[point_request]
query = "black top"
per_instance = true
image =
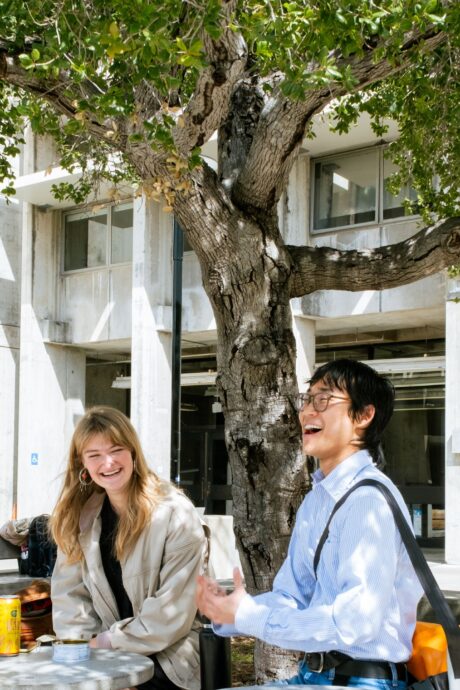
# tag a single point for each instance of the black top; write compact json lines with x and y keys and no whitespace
{"x":112,"y":568}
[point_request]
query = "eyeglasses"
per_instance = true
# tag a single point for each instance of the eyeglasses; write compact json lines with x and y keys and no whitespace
{"x":320,"y":400}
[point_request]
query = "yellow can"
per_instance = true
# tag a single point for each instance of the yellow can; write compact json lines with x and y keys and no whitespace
{"x":10,"y":624}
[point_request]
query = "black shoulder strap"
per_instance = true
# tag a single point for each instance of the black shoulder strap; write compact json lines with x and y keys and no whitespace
{"x":431,"y":588}
{"x":338,"y":505}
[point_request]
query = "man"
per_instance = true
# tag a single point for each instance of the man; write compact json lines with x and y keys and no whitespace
{"x":355,"y":618}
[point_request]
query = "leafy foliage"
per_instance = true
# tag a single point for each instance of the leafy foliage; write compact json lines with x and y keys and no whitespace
{"x":305,"y":40}
{"x":125,"y":72}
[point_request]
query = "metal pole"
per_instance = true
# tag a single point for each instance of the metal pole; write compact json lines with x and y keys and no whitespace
{"x":178,"y":250}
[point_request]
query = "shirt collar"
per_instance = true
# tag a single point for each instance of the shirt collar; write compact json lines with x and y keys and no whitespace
{"x":342,"y":476}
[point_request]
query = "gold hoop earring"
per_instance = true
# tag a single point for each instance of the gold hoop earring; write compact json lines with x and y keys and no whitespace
{"x":134,"y":466}
{"x":83,"y":477}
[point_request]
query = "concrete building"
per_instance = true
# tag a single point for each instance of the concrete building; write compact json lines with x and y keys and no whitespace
{"x":94,"y":325}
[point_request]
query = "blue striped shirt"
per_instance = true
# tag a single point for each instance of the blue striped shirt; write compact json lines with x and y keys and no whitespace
{"x":364,"y":600}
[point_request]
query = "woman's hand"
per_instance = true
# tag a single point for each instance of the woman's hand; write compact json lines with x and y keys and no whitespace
{"x":213,"y":602}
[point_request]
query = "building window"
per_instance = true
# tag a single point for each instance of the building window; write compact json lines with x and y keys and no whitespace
{"x":122,"y":234}
{"x":350,"y":189}
{"x":393,"y":206}
{"x":99,"y":238}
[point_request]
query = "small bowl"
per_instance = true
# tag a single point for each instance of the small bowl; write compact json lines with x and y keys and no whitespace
{"x":70,"y":651}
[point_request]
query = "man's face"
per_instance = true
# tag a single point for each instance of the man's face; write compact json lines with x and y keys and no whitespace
{"x":330,"y":435}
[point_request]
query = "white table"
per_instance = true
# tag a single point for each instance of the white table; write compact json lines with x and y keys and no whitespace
{"x":105,"y":670}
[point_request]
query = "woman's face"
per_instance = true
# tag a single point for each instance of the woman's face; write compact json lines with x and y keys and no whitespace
{"x":110,"y":466}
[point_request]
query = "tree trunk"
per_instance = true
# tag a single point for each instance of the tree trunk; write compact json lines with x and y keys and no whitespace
{"x":274,"y":663}
{"x":257,"y":388}
{"x":246,"y":272}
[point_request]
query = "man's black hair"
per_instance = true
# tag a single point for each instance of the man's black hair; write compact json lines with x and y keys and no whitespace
{"x":364,"y":386}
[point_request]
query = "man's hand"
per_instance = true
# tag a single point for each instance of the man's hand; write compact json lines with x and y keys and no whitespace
{"x":214,"y":603}
{"x":101,"y":641}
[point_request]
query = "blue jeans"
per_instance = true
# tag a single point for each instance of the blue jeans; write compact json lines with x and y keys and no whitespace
{"x":307,"y":677}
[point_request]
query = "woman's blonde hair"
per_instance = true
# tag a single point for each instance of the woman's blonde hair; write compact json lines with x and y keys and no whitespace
{"x":145,"y":490}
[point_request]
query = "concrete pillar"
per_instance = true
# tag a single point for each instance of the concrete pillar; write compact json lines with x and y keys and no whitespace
{"x":9,"y":355}
{"x":293,"y":213}
{"x":51,"y":400}
{"x":294,"y":207}
{"x":51,"y":376}
{"x":452,"y":506}
{"x":304,"y":333}
{"x":10,"y":261}
{"x":151,"y":332}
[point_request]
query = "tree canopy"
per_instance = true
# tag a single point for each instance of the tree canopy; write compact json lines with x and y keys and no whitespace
{"x":163,"y":74}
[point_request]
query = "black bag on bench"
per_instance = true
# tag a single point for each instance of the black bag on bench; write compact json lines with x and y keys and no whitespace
{"x":41,"y":550}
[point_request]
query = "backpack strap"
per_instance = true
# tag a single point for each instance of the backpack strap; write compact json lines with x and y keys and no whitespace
{"x":338,"y":505}
{"x":431,"y":588}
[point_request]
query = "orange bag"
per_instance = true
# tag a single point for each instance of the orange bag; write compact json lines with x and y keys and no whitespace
{"x":429,"y":651}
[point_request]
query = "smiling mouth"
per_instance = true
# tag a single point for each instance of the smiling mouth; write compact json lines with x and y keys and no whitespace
{"x":310,"y":429}
{"x":111,"y":474}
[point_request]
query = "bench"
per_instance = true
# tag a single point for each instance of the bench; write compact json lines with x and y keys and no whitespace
{"x":11,"y":581}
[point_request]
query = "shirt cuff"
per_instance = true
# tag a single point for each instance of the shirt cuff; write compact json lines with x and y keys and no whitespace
{"x":251,"y":617}
{"x":103,"y":640}
{"x":226,"y":630}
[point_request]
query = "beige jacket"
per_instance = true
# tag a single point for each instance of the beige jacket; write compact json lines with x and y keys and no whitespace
{"x":159,"y":576}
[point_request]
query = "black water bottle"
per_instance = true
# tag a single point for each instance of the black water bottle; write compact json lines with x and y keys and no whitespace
{"x":215,"y":659}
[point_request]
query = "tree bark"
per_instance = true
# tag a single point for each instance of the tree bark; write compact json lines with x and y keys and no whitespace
{"x":425,"y":253}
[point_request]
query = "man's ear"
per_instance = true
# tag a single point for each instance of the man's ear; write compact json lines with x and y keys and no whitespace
{"x":365,"y":417}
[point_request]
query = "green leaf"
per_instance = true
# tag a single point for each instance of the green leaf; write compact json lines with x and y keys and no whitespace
{"x":25,"y":60}
{"x":114,"y":31}
{"x":334,"y":73}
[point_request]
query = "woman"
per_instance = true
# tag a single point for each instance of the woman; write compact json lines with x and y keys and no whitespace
{"x":130,"y":546}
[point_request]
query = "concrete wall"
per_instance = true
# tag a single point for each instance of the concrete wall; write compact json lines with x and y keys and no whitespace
{"x":197,"y":313}
{"x":294,"y":206}
{"x":44,"y":153}
{"x":96,"y":303}
{"x":52,"y":376}
{"x":10,"y":265}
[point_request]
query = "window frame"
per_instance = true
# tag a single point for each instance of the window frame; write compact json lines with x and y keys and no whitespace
{"x":380,"y":182}
{"x":79,"y":214}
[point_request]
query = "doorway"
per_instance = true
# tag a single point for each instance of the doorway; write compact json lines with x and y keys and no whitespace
{"x":204,"y":469}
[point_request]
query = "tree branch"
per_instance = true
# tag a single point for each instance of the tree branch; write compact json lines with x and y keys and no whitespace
{"x":208,"y":106}
{"x":55,"y":91}
{"x":426,"y":253}
{"x":282,"y":123}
